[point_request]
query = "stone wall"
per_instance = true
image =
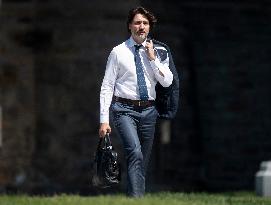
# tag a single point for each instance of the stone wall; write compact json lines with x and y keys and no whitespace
{"x":17,"y":93}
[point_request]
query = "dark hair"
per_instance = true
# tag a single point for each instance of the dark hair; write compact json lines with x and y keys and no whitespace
{"x":140,"y":10}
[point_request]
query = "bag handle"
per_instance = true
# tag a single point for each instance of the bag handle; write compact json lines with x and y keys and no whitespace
{"x":104,"y":140}
{"x":107,"y":140}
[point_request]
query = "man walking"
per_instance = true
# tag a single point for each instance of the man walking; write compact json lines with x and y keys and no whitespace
{"x":133,"y":69}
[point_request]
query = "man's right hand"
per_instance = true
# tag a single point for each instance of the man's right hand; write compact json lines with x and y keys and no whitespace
{"x":104,"y":128}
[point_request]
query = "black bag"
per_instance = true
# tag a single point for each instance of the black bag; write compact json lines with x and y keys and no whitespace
{"x":106,"y":168}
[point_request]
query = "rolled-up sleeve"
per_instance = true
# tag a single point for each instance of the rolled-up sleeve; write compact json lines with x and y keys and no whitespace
{"x":162,"y":66}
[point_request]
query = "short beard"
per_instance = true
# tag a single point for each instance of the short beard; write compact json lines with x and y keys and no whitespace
{"x":141,"y":37}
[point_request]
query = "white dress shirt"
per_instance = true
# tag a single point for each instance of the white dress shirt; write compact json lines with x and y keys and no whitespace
{"x":120,"y":76}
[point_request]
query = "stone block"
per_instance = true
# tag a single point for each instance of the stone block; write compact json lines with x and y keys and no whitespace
{"x":263,"y":180}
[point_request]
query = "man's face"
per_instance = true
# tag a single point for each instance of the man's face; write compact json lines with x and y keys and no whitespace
{"x":139,"y":28}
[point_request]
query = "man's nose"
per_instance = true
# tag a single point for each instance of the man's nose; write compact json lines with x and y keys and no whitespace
{"x":141,"y":26}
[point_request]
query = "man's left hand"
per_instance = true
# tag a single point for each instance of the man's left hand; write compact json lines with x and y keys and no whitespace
{"x":150,"y":50}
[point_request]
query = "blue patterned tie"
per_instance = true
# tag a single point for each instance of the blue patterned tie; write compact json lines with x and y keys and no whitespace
{"x":143,"y":92}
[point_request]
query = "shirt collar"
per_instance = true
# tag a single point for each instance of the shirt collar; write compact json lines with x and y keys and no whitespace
{"x":131,"y":42}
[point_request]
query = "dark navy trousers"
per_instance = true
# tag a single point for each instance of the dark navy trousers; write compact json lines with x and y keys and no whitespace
{"x":135,"y":126}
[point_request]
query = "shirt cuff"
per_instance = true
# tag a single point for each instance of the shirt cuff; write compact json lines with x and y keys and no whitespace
{"x":155,"y":63}
{"x":104,"y":118}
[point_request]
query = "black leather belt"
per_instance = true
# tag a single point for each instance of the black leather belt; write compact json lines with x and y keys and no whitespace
{"x":139,"y":103}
